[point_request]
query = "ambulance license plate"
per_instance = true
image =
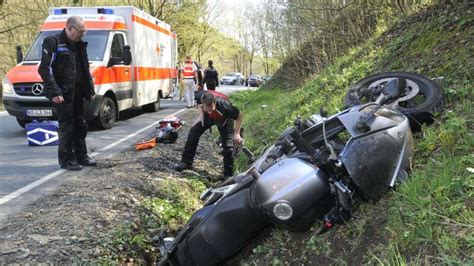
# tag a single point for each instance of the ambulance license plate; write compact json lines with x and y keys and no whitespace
{"x":39,"y":113}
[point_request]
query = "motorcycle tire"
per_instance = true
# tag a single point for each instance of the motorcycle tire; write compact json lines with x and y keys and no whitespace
{"x":424,"y":97}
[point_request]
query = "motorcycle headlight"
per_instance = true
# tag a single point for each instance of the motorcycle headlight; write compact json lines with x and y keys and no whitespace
{"x":283,"y":211}
{"x":7,"y":87}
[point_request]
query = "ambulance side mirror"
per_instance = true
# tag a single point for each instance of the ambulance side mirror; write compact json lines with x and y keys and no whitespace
{"x":125,"y":59}
{"x":127,"y":55}
{"x":19,"y":54}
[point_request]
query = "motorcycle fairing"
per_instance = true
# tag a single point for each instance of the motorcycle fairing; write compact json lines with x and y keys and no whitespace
{"x":374,"y":160}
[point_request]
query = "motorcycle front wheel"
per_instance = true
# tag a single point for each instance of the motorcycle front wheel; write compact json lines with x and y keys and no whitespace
{"x":423,"y":97}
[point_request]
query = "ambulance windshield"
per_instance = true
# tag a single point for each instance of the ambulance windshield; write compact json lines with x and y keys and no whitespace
{"x":95,"y":49}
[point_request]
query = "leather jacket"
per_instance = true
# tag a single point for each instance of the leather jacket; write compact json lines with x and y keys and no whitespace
{"x":58,"y":67}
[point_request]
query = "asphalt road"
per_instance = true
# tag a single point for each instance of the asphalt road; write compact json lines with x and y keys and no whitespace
{"x":29,"y":172}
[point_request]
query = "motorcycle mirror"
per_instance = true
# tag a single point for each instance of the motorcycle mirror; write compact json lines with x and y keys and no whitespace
{"x":394,"y":88}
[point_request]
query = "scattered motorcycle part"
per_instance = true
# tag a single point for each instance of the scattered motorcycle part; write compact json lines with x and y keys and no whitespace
{"x":145,"y":144}
{"x":166,"y":134}
{"x":171,"y":121}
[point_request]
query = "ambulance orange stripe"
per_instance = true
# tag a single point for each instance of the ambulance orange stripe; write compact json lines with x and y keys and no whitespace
{"x":115,"y":74}
{"x":102,"y":75}
{"x":108,"y":25}
{"x":152,"y":73}
{"x":150,"y":25}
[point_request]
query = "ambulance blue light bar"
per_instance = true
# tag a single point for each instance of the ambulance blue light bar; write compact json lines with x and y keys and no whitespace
{"x":105,"y":11}
{"x":60,"y":11}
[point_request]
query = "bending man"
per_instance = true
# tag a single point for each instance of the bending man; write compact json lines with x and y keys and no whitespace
{"x":228,"y":119}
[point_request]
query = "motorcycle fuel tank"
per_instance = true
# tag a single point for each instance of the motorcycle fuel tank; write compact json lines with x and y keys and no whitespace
{"x":290,"y":187}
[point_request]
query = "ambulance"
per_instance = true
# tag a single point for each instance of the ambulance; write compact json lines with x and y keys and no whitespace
{"x":132,"y":57}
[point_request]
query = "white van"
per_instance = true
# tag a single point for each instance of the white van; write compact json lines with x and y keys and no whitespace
{"x":119,"y":85}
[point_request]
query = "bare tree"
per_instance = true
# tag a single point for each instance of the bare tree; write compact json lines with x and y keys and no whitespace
{"x":208,"y":17}
{"x":307,"y":35}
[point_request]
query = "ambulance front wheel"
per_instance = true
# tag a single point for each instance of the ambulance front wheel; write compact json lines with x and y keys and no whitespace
{"x":107,"y":114}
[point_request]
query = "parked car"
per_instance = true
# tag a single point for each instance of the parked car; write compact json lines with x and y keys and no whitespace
{"x":254,"y":81}
{"x":233,"y":79}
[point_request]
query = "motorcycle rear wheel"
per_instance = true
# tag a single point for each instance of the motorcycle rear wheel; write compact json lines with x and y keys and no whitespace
{"x":423,"y":100}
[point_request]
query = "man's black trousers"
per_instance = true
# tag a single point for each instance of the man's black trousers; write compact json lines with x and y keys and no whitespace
{"x":72,"y":129}
{"x":226,"y":131}
{"x":211,"y":85}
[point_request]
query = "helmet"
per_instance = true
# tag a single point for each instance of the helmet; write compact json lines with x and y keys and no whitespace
{"x":172,"y":121}
{"x":166,"y":134}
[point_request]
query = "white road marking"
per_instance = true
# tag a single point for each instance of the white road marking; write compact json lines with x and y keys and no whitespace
{"x":30,"y":186}
{"x":40,"y":181}
{"x":3,"y":113}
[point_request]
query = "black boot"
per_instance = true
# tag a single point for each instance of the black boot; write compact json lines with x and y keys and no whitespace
{"x":182,"y":166}
{"x":87,"y":161}
{"x":80,"y":149}
{"x":71,"y":166}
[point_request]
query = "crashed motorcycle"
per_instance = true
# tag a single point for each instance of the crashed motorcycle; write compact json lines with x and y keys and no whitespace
{"x":318,"y":169}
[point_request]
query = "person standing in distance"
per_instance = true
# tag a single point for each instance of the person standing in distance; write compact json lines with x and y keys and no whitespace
{"x":200,"y":77}
{"x":211,"y":76}
{"x":189,"y":78}
{"x":64,"y":69}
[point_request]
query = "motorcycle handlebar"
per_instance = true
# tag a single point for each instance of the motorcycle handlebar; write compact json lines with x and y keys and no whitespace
{"x":301,"y":143}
